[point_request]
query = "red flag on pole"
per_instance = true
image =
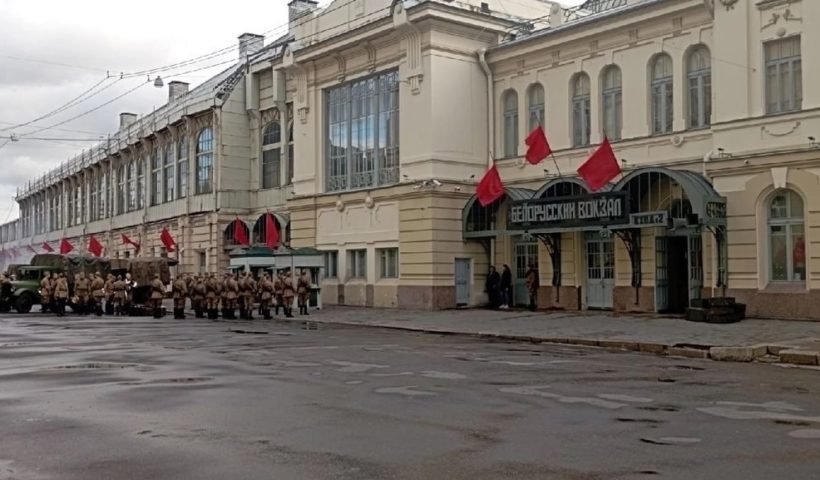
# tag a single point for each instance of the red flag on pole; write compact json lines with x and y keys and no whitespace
{"x":167,"y":240}
{"x":600,"y":168}
{"x":271,"y":232}
{"x":128,"y":241}
{"x":65,"y":246}
{"x":538,"y":148}
{"x":95,"y":246}
{"x":490,"y":188}
{"x":47,"y":248}
{"x":239,"y":232}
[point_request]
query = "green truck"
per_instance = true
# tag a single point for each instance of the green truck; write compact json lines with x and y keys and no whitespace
{"x":22,"y":293}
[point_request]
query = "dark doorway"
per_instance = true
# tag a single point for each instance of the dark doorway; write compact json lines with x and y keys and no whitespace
{"x":678,"y":274}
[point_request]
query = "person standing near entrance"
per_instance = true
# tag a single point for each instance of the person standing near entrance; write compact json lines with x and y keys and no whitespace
{"x":492,"y":286}
{"x":506,"y":287}
{"x":533,"y":283}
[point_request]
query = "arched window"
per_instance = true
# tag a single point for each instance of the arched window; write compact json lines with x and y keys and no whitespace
{"x":272,"y":155}
{"x":535,"y":104}
{"x":662,"y":106}
{"x":122,"y":195}
{"x":699,"y":75}
{"x":156,"y":176}
{"x":182,"y":168}
{"x":131,"y":185}
{"x":580,"y":110}
{"x":229,"y":235}
{"x":510,"y":102}
{"x":787,"y":238}
{"x":611,"y":102}
{"x":169,"y":167}
{"x":260,"y":230}
{"x":140,"y":183}
{"x":205,"y":161}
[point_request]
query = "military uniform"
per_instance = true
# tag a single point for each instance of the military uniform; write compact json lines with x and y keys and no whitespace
{"x":303,"y":291}
{"x":198,"y":298}
{"x":61,"y":294}
{"x":287,"y":295}
{"x":278,"y":289}
{"x":46,"y":292}
{"x":119,"y":296}
{"x":81,"y":291}
{"x":180,"y":292}
{"x":212,"y":297}
{"x":157,"y":294}
{"x":97,"y":293}
{"x":248,"y":294}
{"x":231,"y":295}
{"x":109,"y":294}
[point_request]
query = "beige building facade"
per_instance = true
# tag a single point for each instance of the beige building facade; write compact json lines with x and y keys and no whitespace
{"x":363,"y":132}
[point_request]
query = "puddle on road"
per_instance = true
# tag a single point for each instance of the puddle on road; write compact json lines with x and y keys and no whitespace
{"x":671,"y":440}
{"x":353,"y":367}
{"x":406,"y":391}
{"x":538,"y":391}
{"x":806,"y":434}
{"x":96,"y":366}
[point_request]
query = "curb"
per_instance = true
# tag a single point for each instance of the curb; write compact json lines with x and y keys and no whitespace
{"x":763,"y":353}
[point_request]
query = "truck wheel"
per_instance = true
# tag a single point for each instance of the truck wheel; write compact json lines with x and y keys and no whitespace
{"x":24,"y":303}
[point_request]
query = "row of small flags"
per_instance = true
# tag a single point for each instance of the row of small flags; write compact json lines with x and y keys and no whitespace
{"x":96,"y":248}
{"x":597,"y":171}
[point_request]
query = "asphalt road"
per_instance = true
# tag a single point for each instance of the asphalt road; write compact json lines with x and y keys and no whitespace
{"x":136,"y":398}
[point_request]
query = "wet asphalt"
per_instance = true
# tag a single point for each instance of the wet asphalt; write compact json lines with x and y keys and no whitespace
{"x":137,"y":398}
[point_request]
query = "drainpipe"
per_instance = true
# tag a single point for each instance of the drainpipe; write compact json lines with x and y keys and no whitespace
{"x":482,"y":59}
{"x":706,"y":159}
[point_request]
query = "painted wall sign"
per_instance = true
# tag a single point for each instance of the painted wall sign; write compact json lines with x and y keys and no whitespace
{"x":650,"y":219}
{"x":716,"y":209}
{"x":609,"y":208}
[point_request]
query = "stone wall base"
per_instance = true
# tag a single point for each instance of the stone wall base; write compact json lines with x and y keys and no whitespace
{"x":785,"y":305}
{"x":629,"y":299}
{"x":560,"y":298}
{"x":419,"y":297}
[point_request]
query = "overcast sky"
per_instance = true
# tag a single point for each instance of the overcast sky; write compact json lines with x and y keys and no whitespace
{"x":53,"y":51}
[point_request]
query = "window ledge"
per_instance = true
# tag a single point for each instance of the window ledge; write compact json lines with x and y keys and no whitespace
{"x":785,"y":287}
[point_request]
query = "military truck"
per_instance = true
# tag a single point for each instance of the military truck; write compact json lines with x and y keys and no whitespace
{"x":25,"y":288}
{"x":71,"y":265}
{"x":142,"y":270}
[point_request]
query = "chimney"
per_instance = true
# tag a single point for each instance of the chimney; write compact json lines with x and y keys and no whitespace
{"x":299,"y":8}
{"x":176,"y":89}
{"x":250,"y":43}
{"x":127,"y":119}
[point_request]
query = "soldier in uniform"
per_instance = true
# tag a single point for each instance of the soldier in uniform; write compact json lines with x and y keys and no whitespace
{"x":198,"y":300}
{"x":223,"y":294}
{"x":212,"y":297}
{"x":157,"y":294}
{"x":287,"y":295}
{"x":109,"y":294}
{"x":46,"y":292}
{"x":82,"y":291}
{"x":242,"y":283}
{"x":249,"y":293}
{"x":278,"y":289}
{"x":303,"y":290}
{"x":61,"y":294}
{"x":129,"y":287}
{"x":231,"y":295}
{"x":119,"y":296}
{"x":97,"y":293}
{"x":266,"y":295}
{"x":180,"y":292}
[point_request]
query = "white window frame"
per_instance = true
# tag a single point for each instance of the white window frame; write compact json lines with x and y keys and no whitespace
{"x":509,"y":104}
{"x":388,"y":262}
{"x":357,"y":264}
{"x":331,"y":260}
{"x":205,"y":161}
{"x":662,"y":96}
{"x":536,"y":100}
{"x":156,"y":176}
{"x":581,"y":110}
{"x":699,"y":88}
{"x":169,"y":165}
{"x":271,"y":155}
{"x":611,"y":102}
{"x":183,"y":149}
{"x":788,"y":223}
{"x":788,"y":71}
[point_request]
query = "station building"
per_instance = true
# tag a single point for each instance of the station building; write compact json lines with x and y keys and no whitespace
{"x":363,"y":132}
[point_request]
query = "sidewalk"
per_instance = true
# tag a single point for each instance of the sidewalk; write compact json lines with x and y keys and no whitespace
{"x":792,"y":342}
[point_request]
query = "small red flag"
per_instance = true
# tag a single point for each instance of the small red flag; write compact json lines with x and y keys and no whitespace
{"x":239,"y":232}
{"x":167,"y":240}
{"x":95,"y":246}
{"x":47,"y":248}
{"x":271,"y":232}
{"x":128,"y":241}
{"x":538,"y":148}
{"x":65,"y":246}
{"x":600,"y":168}
{"x":490,"y":188}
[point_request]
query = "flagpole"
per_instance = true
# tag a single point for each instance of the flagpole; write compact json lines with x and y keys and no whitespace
{"x":554,"y":160}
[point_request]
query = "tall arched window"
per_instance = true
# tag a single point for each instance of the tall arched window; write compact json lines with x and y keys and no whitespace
{"x":168,"y":167}
{"x":611,"y":102}
{"x":510,"y":102}
{"x":580,"y":110}
{"x":156,"y":176}
{"x":272,"y":155}
{"x":205,"y":161}
{"x":699,"y":75}
{"x":787,"y":238}
{"x":132,"y":185}
{"x":182,"y":168}
{"x":662,"y":106}
{"x":122,"y":195}
{"x":140,"y":183}
{"x":535,"y":105}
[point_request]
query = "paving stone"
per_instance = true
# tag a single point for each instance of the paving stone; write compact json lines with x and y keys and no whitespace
{"x":799,"y":357}
{"x":687,"y":352}
{"x":619,"y":345}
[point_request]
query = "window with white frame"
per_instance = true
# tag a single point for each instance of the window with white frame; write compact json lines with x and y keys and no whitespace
{"x":787,"y":238}
{"x":509,"y":102}
{"x":140,"y":183}
{"x":363,"y":133}
{"x":331,"y":263}
{"x":92,"y":195}
{"x":122,"y":194}
{"x":580,"y":110}
{"x":79,"y":201}
{"x":182,"y":168}
{"x":784,"y":75}
{"x":535,"y":105}
{"x":156,"y":177}
{"x":131,"y":185}
{"x":388,"y":262}
{"x":272,"y":155}
{"x":699,"y":76}
{"x":204,"y":161}
{"x":357,"y":264}
{"x":611,"y":102}
{"x":103,"y":194}
{"x":169,"y":164}
{"x":662,"y":103}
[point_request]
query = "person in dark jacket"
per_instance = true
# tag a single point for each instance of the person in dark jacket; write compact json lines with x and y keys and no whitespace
{"x":492,"y":286}
{"x":506,"y":287}
{"x":533,"y":283}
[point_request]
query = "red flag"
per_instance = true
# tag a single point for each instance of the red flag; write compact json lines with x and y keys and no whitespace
{"x":47,"y":248}
{"x":271,"y":232}
{"x":65,"y":246}
{"x":600,"y":168}
{"x":538,"y":148}
{"x":490,"y":188}
{"x":167,"y":240}
{"x":239,"y":233}
{"x":95,"y":246}
{"x":32,"y":250}
{"x":128,"y":241}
